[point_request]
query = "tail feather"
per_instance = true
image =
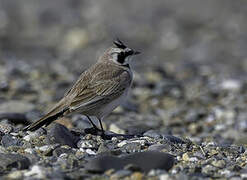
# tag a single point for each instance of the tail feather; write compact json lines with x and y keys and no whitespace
{"x":46,"y":120}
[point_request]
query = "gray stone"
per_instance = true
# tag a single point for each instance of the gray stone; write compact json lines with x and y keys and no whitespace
{"x":9,"y":161}
{"x":8,"y":140}
{"x":60,"y":134}
{"x":159,"y":147}
{"x":152,"y":134}
{"x":5,"y":128}
{"x":145,"y":160}
{"x":173,"y":139}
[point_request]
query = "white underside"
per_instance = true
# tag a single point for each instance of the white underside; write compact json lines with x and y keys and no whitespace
{"x":105,"y":111}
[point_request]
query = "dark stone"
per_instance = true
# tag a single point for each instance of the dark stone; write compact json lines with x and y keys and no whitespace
{"x":145,"y":160}
{"x":4,"y":86}
{"x":60,"y":134}
{"x":241,"y":149}
{"x":159,"y":147}
{"x":173,"y":139}
{"x":8,"y":140}
{"x":153,"y":134}
{"x":137,"y":129}
{"x":16,"y":118}
{"x":9,"y":161}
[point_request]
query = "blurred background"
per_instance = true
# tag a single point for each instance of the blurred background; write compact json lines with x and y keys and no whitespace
{"x":189,"y":80}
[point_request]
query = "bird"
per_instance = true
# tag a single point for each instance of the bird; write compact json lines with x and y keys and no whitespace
{"x":98,"y":90}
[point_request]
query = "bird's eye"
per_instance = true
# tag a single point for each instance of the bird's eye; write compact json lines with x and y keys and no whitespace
{"x":121,"y":57}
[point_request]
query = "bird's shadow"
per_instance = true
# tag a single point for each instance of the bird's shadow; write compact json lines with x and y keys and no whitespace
{"x":108,"y":135}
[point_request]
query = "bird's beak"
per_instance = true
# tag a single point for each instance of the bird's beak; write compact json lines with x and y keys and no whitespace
{"x":136,"y":52}
{"x":130,"y":52}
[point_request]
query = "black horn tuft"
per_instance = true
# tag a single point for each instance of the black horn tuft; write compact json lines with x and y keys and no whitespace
{"x":119,"y":44}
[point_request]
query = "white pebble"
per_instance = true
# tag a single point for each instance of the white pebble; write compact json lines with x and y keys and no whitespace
{"x":89,"y":151}
{"x":231,"y":84}
{"x":27,"y":138}
{"x":44,"y":148}
{"x":36,"y":172}
{"x":29,"y":150}
{"x":121,"y":144}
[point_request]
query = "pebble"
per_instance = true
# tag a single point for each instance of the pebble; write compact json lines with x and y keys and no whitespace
{"x":90,"y":152}
{"x":44,"y":148}
{"x":219,"y":163}
{"x":185,"y":157}
{"x":30,"y":150}
{"x":173,"y":139}
{"x":164,"y":177}
{"x":15,"y":175}
{"x":121,"y":144}
{"x":152,"y":134}
{"x":137,"y":176}
{"x":9,"y":161}
{"x":208,"y":169}
{"x":36,"y":172}
{"x":34,"y":135}
{"x":231,"y":84}
{"x":159,"y":147}
{"x":8,"y":140}
{"x":5,"y":128}
{"x":61,"y":135}
{"x":145,"y":160}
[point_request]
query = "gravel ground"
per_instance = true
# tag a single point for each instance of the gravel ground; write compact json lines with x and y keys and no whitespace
{"x":186,"y":110}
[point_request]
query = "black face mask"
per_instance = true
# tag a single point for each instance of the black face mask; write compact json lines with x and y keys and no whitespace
{"x":121,"y":57}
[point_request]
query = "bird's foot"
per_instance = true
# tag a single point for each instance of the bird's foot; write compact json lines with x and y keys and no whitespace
{"x":92,"y":130}
{"x":107,"y":135}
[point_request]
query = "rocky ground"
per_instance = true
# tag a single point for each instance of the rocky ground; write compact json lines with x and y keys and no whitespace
{"x":186,"y":110}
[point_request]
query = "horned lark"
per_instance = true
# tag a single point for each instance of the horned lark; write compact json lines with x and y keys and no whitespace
{"x":98,"y":91}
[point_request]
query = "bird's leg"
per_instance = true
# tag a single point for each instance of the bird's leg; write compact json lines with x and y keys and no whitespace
{"x":103,"y":135}
{"x":101,"y":126}
{"x":95,"y":127}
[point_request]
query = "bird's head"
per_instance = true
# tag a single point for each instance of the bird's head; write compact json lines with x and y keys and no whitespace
{"x":120,"y":53}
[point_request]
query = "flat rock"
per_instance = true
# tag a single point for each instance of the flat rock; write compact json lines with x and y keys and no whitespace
{"x":60,"y":134}
{"x":144,"y":160}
